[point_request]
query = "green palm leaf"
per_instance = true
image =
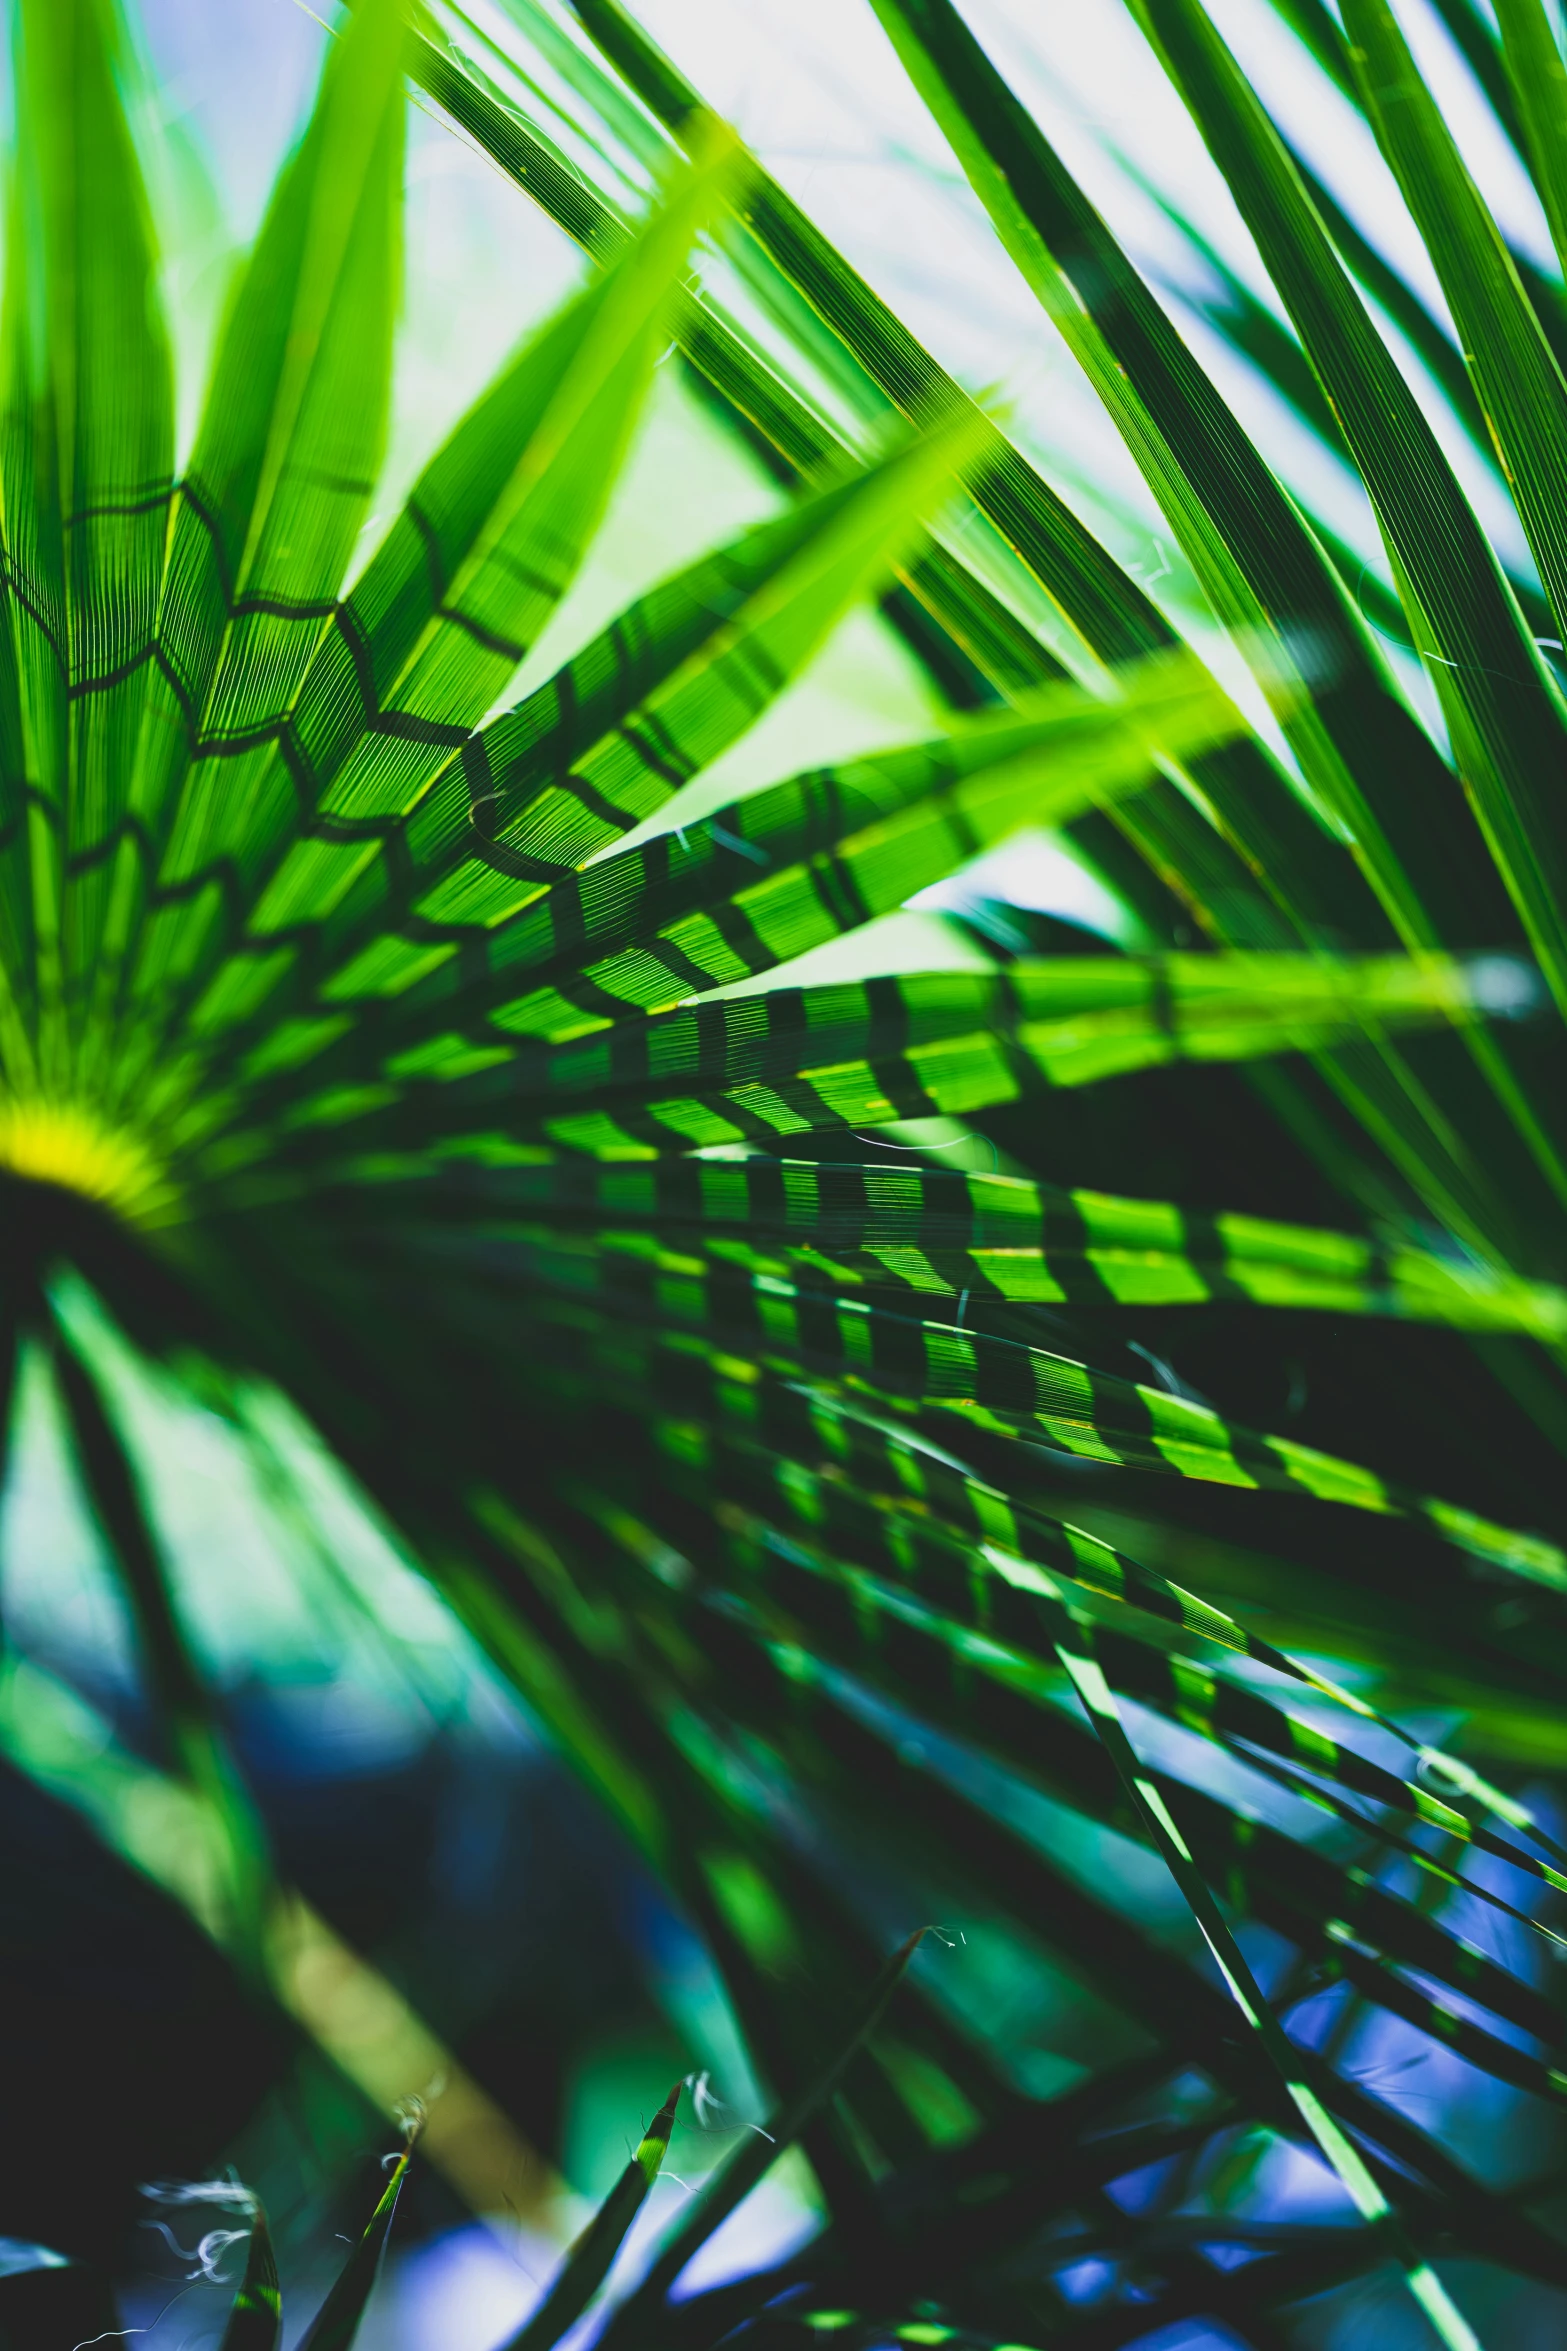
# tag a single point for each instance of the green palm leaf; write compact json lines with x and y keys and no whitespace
{"x":545,"y":786}
{"x":101,"y":363}
{"x":89,"y":406}
{"x":1516,"y":376}
{"x":1255,"y":557}
{"x":822,"y":1505}
{"x":1475,"y":641}
{"x":1263,"y":571}
{"x":277,"y":488}
{"x":1285,"y":879}
{"x":1537,"y":79}
{"x":754,"y":1067}
{"x":992,"y":1236}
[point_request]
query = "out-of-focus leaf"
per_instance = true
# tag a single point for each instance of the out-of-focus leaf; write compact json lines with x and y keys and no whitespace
{"x":256,"y":2320}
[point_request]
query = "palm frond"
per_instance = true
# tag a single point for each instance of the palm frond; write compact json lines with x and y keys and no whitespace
{"x":839,"y":1511}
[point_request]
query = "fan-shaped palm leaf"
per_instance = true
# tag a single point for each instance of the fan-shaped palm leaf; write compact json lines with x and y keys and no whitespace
{"x":816,"y":1494}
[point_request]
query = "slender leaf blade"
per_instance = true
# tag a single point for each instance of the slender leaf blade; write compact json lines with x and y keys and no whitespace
{"x":588,"y":2263}
{"x":256,"y":2321}
{"x":336,"y":2323}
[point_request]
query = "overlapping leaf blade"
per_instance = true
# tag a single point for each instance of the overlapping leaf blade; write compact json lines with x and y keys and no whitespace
{"x":756,"y":1065}
{"x":533,"y":796}
{"x":1501,"y":706}
{"x":100,"y":365}
{"x":487,"y":544}
{"x":1284,"y":879}
{"x":277,"y":488}
{"x":1520,"y":385}
{"x":1249,"y":546}
{"x":1537,"y":78}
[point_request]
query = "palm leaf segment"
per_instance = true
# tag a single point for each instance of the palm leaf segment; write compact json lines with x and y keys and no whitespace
{"x":340,"y":1028}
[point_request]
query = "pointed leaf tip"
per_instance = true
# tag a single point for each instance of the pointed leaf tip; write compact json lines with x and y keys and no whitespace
{"x":337,"y":2321}
{"x":591,"y":2258}
{"x":655,"y":2139}
{"x":256,"y":2319}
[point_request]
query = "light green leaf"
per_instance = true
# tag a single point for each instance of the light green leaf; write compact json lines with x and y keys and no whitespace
{"x":1519,"y":383}
{"x":1503,"y":711}
{"x":278,"y":485}
{"x":1537,"y":78}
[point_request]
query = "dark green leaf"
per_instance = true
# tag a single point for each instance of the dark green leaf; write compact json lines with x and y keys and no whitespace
{"x":336,"y":2323}
{"x":256,"y":2320}
{"x":755,"y":2156}
{"x":588,"y":2263}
